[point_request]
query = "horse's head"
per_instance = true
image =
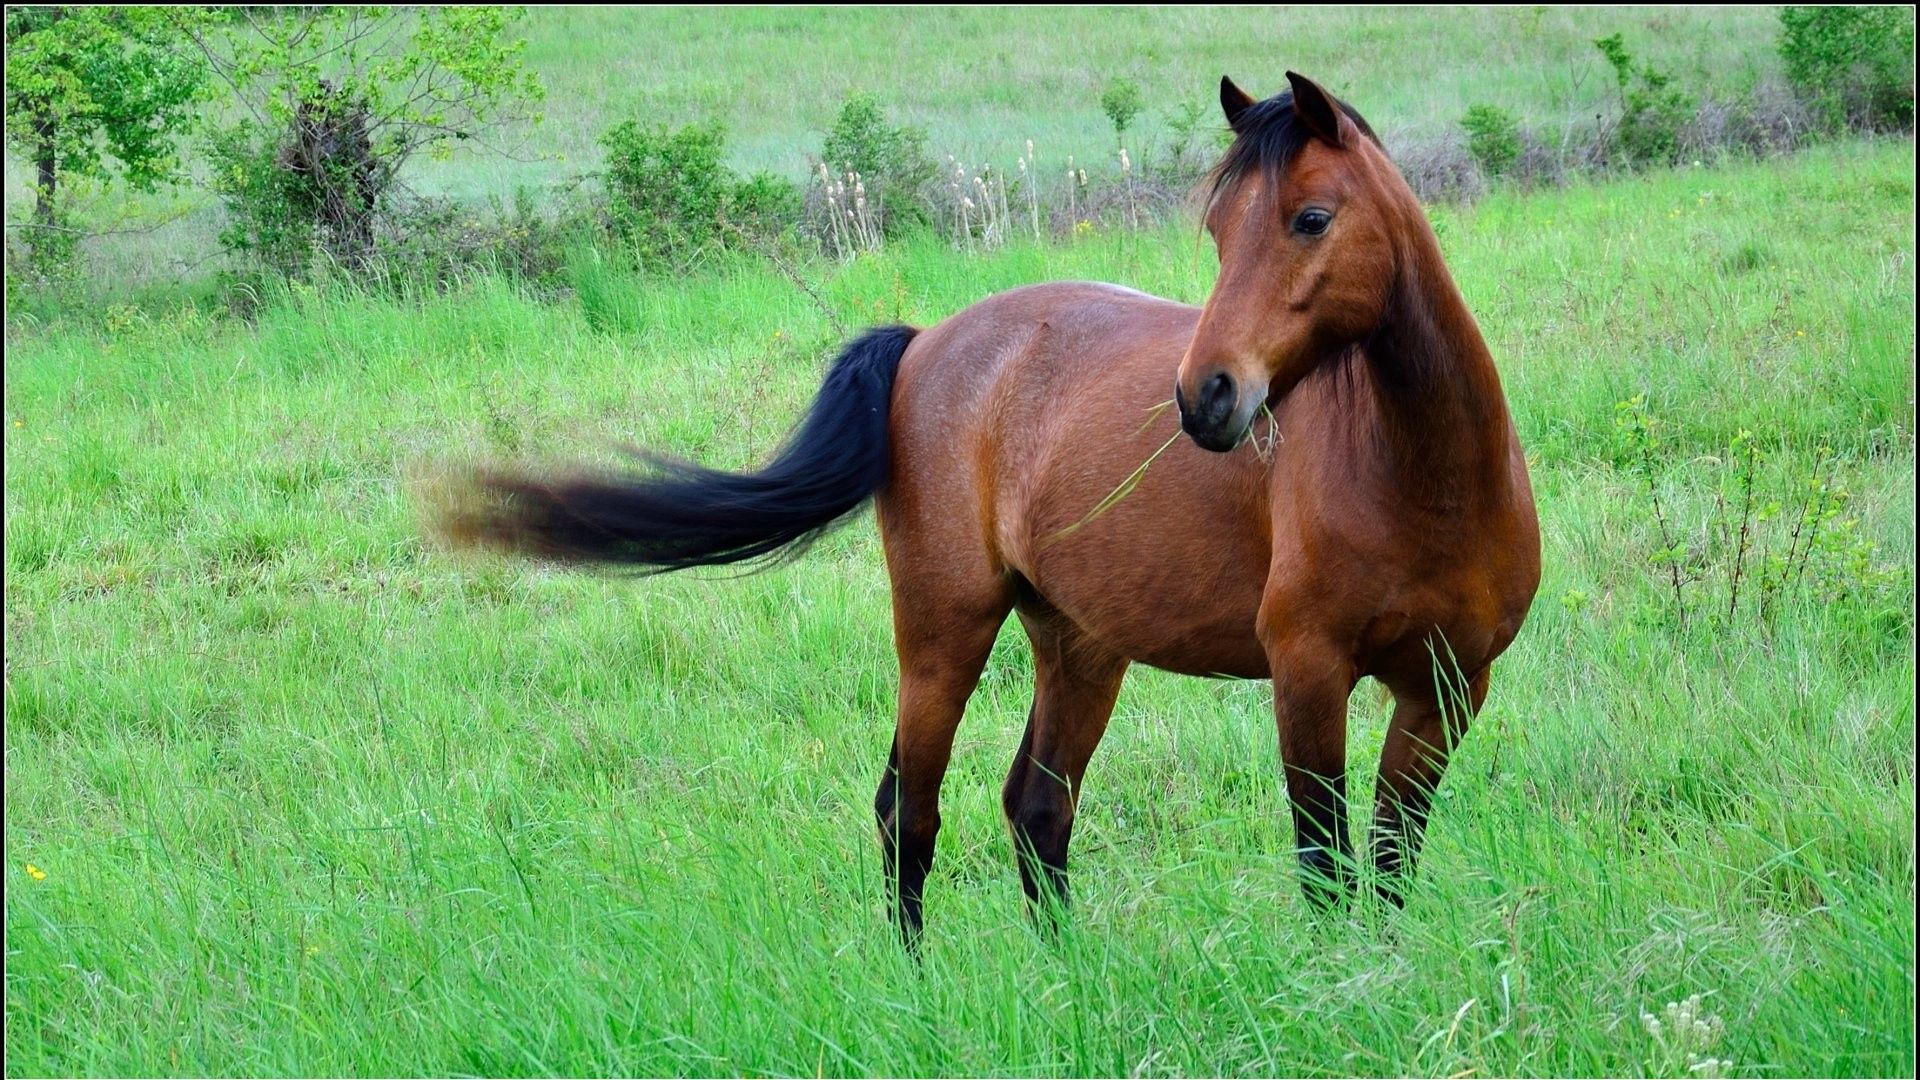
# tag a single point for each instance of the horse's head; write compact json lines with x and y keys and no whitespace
{"x":1305,"y":209}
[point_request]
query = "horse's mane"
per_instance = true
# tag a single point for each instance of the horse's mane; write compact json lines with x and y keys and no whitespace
{"x":1270,"y":134}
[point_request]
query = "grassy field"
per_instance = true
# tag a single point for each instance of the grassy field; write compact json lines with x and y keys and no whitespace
{"x":983,"y":81}
{"x":299,"y":795}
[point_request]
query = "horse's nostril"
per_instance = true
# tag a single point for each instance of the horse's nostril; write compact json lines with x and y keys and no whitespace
{"x":1218,"y":386}
{"x":1217,"y":398}
{"x":1212,"y":404}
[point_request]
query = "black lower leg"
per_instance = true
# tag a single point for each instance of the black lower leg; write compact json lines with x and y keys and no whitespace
{"x":1320,"y":830}
{"x":1420,"y":739}
{"x":1041,"y":837}
{"x":1399,"y":824}
{"x":906,"y":849}
{"x":1039,"y":814}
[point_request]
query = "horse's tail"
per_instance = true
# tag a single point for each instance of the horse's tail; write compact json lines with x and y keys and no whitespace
{"x":680,"y":515}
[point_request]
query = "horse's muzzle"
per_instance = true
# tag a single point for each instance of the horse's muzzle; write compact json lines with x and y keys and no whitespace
{"x":1213,"y":418}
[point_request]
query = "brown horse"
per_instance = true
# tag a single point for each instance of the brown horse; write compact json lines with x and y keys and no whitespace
{"x":1387,"y":528}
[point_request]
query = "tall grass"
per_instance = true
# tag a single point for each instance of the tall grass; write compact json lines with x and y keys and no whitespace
{"x":308,"y":798}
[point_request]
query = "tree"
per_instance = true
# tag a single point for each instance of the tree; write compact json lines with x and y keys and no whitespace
{"x":91,"y":91}
{"x":335,"y":101}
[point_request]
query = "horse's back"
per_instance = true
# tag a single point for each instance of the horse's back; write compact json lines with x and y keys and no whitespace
{"x":971,"y":378}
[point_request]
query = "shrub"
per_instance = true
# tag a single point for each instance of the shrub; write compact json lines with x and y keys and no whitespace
{"x":765,"y":205}
{"x":1770,"y":119}
{"x":1121,"y":101}
{"x":1441,"y":170}
{"x":270,"y":222}
{"x":891,"y":159}
{"x":434,"y":241}
{"x":1493,"y":137}
{"x":673,"y":198}
{"x":1652,"y":110}
{"x":1195,"y":138}
{"x":1853,"y":65}
{"x":668,"y":188}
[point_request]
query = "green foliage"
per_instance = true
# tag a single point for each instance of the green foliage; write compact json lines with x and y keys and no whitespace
{"x":669,"y":188}
{"x":765,"y":204}
{"x":434,"y":243}
{"x":1122,"y":101}
{"x":1852,"y":65}
{"x":891,"y":160}
{"x":1776,"y":539}
{"x":673,"y":198}
{"x":97,"y":92}
{"x":1196,"y":137}
{"x":1493,"y":137}
{"x":335,"y":102}
{"x":269,"y":222}
{"x":1652,"y":110}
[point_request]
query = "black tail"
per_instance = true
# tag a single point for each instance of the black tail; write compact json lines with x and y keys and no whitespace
{"x":681,"y":515}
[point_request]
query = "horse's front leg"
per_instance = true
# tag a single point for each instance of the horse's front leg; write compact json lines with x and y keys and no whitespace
{"x":1426,"y":726}
{"x":1311,"y":685}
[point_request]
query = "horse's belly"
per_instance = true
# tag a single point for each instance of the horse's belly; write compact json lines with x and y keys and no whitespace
{"x":1172,"y":574}
{"x":1209,"y":648}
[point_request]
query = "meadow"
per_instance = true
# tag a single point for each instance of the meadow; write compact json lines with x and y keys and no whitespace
{"x":288,"y":790}
{"x":301,"y":795}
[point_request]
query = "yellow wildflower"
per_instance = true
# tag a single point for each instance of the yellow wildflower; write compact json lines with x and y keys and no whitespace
{"x":36,"y":873}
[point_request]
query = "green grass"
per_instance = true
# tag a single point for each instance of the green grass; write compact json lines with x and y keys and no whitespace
{"x":310,"y":798}
{"x":984,"y":81}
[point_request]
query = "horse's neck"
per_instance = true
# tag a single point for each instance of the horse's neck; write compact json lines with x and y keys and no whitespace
{"x":1441,"y":423}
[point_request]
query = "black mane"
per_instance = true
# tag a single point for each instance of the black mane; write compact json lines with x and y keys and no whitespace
{"x":1270,"y":133}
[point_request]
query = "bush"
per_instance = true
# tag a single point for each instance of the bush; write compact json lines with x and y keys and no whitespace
{"x":1652,"y":110}
{"x":892,"y":161}
{"x":673,"y":198}
{"x":270,"y":219}
{"x":1121,"y":101}
{"x":1853,"y":65}
{"x":1493,"y":137}
{"x":765,"y":205}
{"x":434,"y":241}
{"x":1441,"y":170}
{"x":1770,"y":119}
{"x":1195,"y":138}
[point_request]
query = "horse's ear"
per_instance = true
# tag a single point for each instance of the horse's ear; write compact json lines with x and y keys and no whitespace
{"x":1317,"y":109}
{"x":1234,"y":102}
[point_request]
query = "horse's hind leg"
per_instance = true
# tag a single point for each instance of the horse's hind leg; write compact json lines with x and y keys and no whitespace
{"x":1426,"y":726}
{"x":944,"y":626}
{"x":1075,"y":684}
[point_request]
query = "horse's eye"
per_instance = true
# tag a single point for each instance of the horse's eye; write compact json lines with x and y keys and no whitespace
{"x":1312,"y":222}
